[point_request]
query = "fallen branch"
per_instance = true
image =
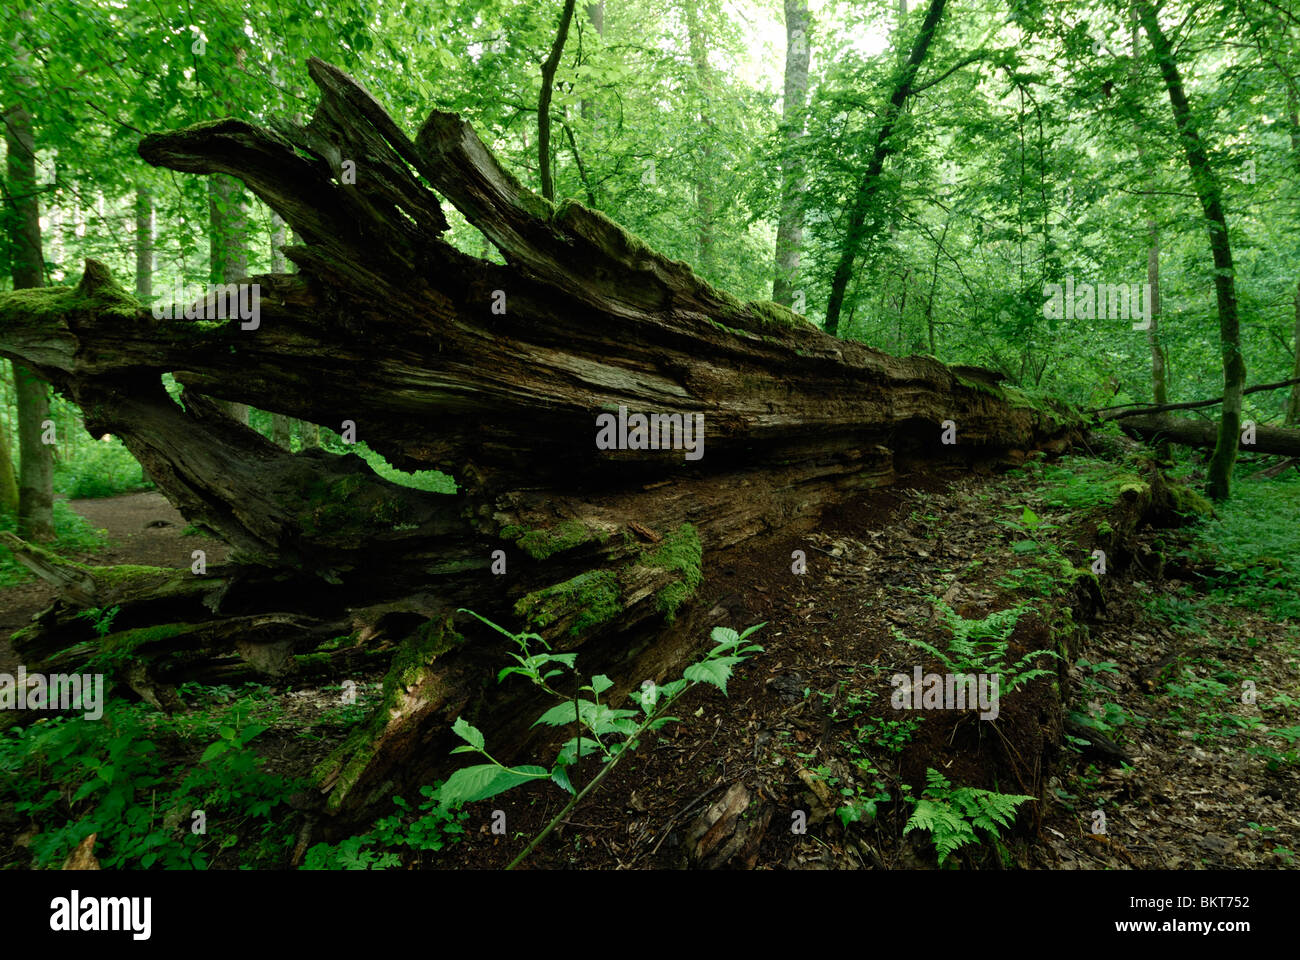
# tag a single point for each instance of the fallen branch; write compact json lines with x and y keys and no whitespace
{"x":1141,"y":409}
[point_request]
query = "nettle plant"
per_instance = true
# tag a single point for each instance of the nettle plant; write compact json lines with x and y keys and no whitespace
{"x":604,"y":732}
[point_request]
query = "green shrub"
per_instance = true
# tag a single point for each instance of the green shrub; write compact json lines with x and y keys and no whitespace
{"x":104,"y":469}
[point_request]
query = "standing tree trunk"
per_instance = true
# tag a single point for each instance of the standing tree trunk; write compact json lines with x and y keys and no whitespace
{"x":144,"y":246}
{"x":858,"y":229}
{"x":1159,"y":388}
{"x":1206,"y":183}
{"x":705,"y":202}
{"x":228,"y":247}
{"x":281,"y":426}
{"x":549,"y":67}
{"x":36,"y":460}
{"x":789,"y":231}
{"x":1293,"y":403}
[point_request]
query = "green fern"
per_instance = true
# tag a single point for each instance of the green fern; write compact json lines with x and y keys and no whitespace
{"x":980,"y":646}
{"x":953,"y":815}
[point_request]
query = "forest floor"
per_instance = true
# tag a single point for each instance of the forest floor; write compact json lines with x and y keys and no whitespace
{"x":142,"y":528}
{"x":1157,"y":664}
{"x":808,"y":724}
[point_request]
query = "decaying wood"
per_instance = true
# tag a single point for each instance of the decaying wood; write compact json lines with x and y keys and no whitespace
{"x":493,"y":373}
{"x":1204,"y":433}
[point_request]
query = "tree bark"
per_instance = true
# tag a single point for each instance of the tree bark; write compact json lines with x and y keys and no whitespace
{"x":228,"y":248}
{"x":794,"y":182}
{"x":1203,"y":433}
{"x":1293,"y":404}
{"x":281,"y":426}
{"x":858,"y":231}
{"x":8,"y":479}
{"x":496,"y":374}
{"x":144,"y":246}
{"x":705,"y":201}
{"x":27,"y":268}
{"x":549,"y":67}
{"x":1206,"y":183}
{"x":1159,"y":387}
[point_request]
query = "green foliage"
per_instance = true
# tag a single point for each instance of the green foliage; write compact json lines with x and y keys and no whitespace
{"x":1253,"y":547}
{"x":430,"y":481}
{"x":980,"y":646}
{"x":605,"y":732}
{"x":103,"y":469}
{"x":101,"y":620}
{"x":73,"y":536}
{"x":75,"y":777}
{"x":430,"y":827}
{"x":959,"y":816}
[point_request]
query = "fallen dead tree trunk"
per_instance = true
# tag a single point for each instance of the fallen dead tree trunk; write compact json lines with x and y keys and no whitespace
{"x":495,"y":374}
{"x":1204,"y":433}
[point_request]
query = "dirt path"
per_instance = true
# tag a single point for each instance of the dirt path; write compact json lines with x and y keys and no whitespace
{"x":142,"y":528}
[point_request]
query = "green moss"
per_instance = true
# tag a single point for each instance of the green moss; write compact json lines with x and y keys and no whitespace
{"x":540,"y":544}
{"x":1137,"y":487}
{"x":118,"y":647}
{"x":1188,"y":502}
{"x":682,"y":554}
{"x":774,"y":316}
{"x":980,"y":386}
{"x":1104,"y":529}
{"x":97,"y":293}
{"x":429,"y":641}
{"x":591,"y":597}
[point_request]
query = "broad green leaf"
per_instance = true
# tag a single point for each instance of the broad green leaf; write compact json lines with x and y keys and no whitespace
{"x":485,"y":780}
{"x":467,"y":732}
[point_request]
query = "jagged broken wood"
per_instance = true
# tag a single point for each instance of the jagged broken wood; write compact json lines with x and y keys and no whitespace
{"x":494,"y":374}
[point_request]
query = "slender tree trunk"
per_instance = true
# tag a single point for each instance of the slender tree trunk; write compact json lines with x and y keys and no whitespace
{"x":858,"y":229}
{"x":596,"y":17}
{"x":228,"y":249}
{"x":144,"y":245}
{"x":1293,"y":404}
{"x":934,"y":283}
{"x":705,"y":201}
{"x":544,"y":101}
{"x":794,"y":182}
{"x":8,"y":482}
{"x":1159,"y":389}
{"x":27,"y":267}
{"x":1207,"y":188}
{"x":1159,"y":386}
{"x":281,"y":426}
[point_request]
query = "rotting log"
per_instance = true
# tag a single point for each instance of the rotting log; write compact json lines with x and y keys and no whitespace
{"x":494,"y":374}
{"x":1204,"y":433}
